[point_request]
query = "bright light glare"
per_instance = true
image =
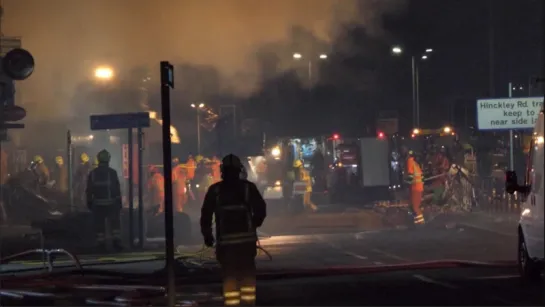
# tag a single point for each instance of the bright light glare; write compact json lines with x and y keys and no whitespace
{"x":424,"y":57}
{"x":323,"y":56}
{"x":397,"y":50}
{"x":152,"y":115}
{"x":275,"y":152}
{"x":277,"y":183}
{"x":104,"y":73}
{"x":297,"y":56}
{"x":91,"y":137}
{"x":416,"y":131}
{"x":447,"y":129}
{"x":201,"y":105}
{"x":429,"y":50}
{"x":539,"y":140}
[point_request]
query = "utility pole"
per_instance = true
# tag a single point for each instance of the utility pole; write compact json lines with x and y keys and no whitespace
{"x":491,"y":61}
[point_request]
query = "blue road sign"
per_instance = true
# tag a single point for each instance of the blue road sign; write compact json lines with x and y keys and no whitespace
{"x":120,"y":121}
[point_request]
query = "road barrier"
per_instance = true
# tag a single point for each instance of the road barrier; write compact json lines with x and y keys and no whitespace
{"x":493,"y":197}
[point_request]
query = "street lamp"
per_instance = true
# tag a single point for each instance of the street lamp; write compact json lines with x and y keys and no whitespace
{"x":299,"y":56}
{"x":198,"y":107}
{"x":397,"y":50}
{"x":104,"y":73}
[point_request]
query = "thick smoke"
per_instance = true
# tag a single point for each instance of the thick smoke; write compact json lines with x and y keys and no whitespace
{"x":68,"y":38}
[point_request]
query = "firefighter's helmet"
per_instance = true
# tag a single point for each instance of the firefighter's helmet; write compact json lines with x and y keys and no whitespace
{"x":59,"y":160}
{"x":411,"y":153}
{"x":38,"y":159}
{"x":175,"y":161}
{"x":103,"y":156}
{"x":230,"y":162}
{"x":199,"y":158}
{"x":297,"y":163}
{"x":84,"y":158}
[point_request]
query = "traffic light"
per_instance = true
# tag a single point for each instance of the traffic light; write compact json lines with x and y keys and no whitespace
{"x":16,"y":65}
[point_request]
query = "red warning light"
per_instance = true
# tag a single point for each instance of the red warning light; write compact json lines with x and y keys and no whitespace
{"x":335,"y":136}
{"x":381,"y":135}
{"x":413,"y":135}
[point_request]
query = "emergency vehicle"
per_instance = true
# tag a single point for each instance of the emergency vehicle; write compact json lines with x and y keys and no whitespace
{"x":531,"y":225}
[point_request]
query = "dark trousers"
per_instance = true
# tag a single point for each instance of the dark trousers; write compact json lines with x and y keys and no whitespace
{"x":103,"y":215}
{"x":239,"y":275}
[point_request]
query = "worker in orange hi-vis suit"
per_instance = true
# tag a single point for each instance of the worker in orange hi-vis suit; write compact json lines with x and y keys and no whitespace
{"x":191,"y":166}
{"x":216,"y":171}
{"x":156,"y":188}
{"x":178,"y":185}
{"x":415,"y":179}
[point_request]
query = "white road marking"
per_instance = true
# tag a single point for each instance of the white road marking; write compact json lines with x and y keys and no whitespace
{"x":355,"y":255}
{"x":495,"y":277}
{"x":390,"y":255}
{"x":514,"y":234}
{"x":344,"y":251}
{"x":435,"y":282}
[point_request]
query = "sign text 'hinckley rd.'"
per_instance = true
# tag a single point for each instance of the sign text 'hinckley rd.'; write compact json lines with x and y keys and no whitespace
{"x":508,"y":113}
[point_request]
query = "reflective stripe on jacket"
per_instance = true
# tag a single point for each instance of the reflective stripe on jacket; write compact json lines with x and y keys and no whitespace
{"x":414,"y":172}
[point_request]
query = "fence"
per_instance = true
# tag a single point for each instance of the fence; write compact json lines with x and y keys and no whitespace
{"x":493,"y":198}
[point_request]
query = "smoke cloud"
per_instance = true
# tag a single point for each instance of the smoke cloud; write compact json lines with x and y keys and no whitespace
{"x":69,"y":38}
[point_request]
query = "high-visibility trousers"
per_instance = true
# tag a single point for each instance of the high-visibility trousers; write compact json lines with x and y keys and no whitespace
{"x":416,"y":201}
{"x":239,"y":275}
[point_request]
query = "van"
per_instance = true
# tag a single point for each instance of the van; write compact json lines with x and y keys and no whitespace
{"x":531,"y":224}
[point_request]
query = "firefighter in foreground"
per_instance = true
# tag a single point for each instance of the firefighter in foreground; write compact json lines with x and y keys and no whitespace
{"x":415,"y":179}
{"x":239,"y":209}
{"x":104,"y":200}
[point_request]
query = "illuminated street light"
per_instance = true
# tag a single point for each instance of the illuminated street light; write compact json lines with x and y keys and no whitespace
{"x":104,"y":73}
{"x":416,"y":131}
{"x":297,"y":56}
{"x":397,"y":50}
{"x":323,"y":56}
{"x":447,"y":129}
{"x":200,"y":106}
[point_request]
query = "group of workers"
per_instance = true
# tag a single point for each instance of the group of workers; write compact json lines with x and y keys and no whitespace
{"x":58,"y":176}
{"x":194,"y":176}
{"x":234,"y":204}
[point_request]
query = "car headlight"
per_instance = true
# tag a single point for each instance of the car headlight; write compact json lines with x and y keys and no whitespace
{"x":278,"y":183}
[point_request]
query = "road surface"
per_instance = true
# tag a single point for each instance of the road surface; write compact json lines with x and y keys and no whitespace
{"x":478,"y":239}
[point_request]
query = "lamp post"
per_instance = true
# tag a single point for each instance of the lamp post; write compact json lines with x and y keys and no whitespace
{"x":396,"y":50}
{"x":198,"y":107}
{"x":299,"y":56}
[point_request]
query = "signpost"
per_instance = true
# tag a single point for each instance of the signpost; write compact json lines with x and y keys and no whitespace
{"x":128,"y":121}
{"x":167,"y":82}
